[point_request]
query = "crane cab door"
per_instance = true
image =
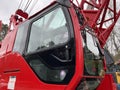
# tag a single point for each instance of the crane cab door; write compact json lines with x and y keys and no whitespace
{"x":49,"y":48}
{"x":50,"y":51}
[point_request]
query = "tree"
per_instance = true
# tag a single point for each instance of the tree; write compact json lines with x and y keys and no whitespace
{"x":3,"y":31}
{"x":113,"y":42}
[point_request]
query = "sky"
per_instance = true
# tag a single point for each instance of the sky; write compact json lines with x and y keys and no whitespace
{"x":8,"y":7}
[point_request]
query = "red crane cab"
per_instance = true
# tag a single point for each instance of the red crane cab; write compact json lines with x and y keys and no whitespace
{"x":53,"y":50}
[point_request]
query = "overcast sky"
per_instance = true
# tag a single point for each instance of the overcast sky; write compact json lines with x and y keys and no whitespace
{"x":8,"y":7}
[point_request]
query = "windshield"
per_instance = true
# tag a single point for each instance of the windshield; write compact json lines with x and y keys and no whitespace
{"x":92,"y":53}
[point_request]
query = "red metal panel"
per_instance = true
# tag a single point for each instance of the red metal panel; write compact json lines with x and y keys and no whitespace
{"x":79,"y":53}
{"x":107,"y":83}
{"x":16,"y":66}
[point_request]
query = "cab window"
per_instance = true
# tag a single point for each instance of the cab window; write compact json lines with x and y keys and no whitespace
{"x":48,"y":31}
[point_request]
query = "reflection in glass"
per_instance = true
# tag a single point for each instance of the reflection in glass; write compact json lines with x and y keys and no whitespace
{"x":48,"y":31}
{"x":92,"y":54}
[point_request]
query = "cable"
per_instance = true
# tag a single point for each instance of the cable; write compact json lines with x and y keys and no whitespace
{"x":27,"y":5}
{"x":33,"y":5}
{"x":20,"y":4}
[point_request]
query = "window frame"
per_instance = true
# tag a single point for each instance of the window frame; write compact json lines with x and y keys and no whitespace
{"x":24,"y":25}
{"x":45,"y":12}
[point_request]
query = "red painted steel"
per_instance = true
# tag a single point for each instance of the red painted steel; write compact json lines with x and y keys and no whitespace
{"x":96,"y":17}
{"x":13,"y":64}
{"x":79,"y":53}
{"x":107,"y":83}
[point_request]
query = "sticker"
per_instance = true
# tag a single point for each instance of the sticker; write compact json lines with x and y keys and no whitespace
{"x":11,"y":83}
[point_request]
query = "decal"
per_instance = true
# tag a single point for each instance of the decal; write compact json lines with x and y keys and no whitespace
{"x":11,"y":82}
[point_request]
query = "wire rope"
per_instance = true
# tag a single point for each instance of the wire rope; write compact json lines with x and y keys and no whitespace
{"x":27,"y":5}
{"x":33,"y":5}
{"x":20,"y":4}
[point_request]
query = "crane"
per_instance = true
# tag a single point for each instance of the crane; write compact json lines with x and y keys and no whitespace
{"x":58,"y":48}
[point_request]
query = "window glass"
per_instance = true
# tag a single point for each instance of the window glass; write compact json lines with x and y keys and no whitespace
{"x":48,"y":74}
{"x":21,"y":38}
{"x":48,"y":31}
{"x":91,"y":44}
{"x":92,"y":54}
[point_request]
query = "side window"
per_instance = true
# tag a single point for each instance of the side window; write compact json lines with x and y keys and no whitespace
{"x":20,"y":39}
{"x":48,"y":31}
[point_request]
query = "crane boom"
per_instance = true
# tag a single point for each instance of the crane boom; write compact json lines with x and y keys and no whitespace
{"x":96,"y":14}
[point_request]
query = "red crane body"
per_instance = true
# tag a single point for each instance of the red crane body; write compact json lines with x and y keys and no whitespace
{"x":51,"y":50}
